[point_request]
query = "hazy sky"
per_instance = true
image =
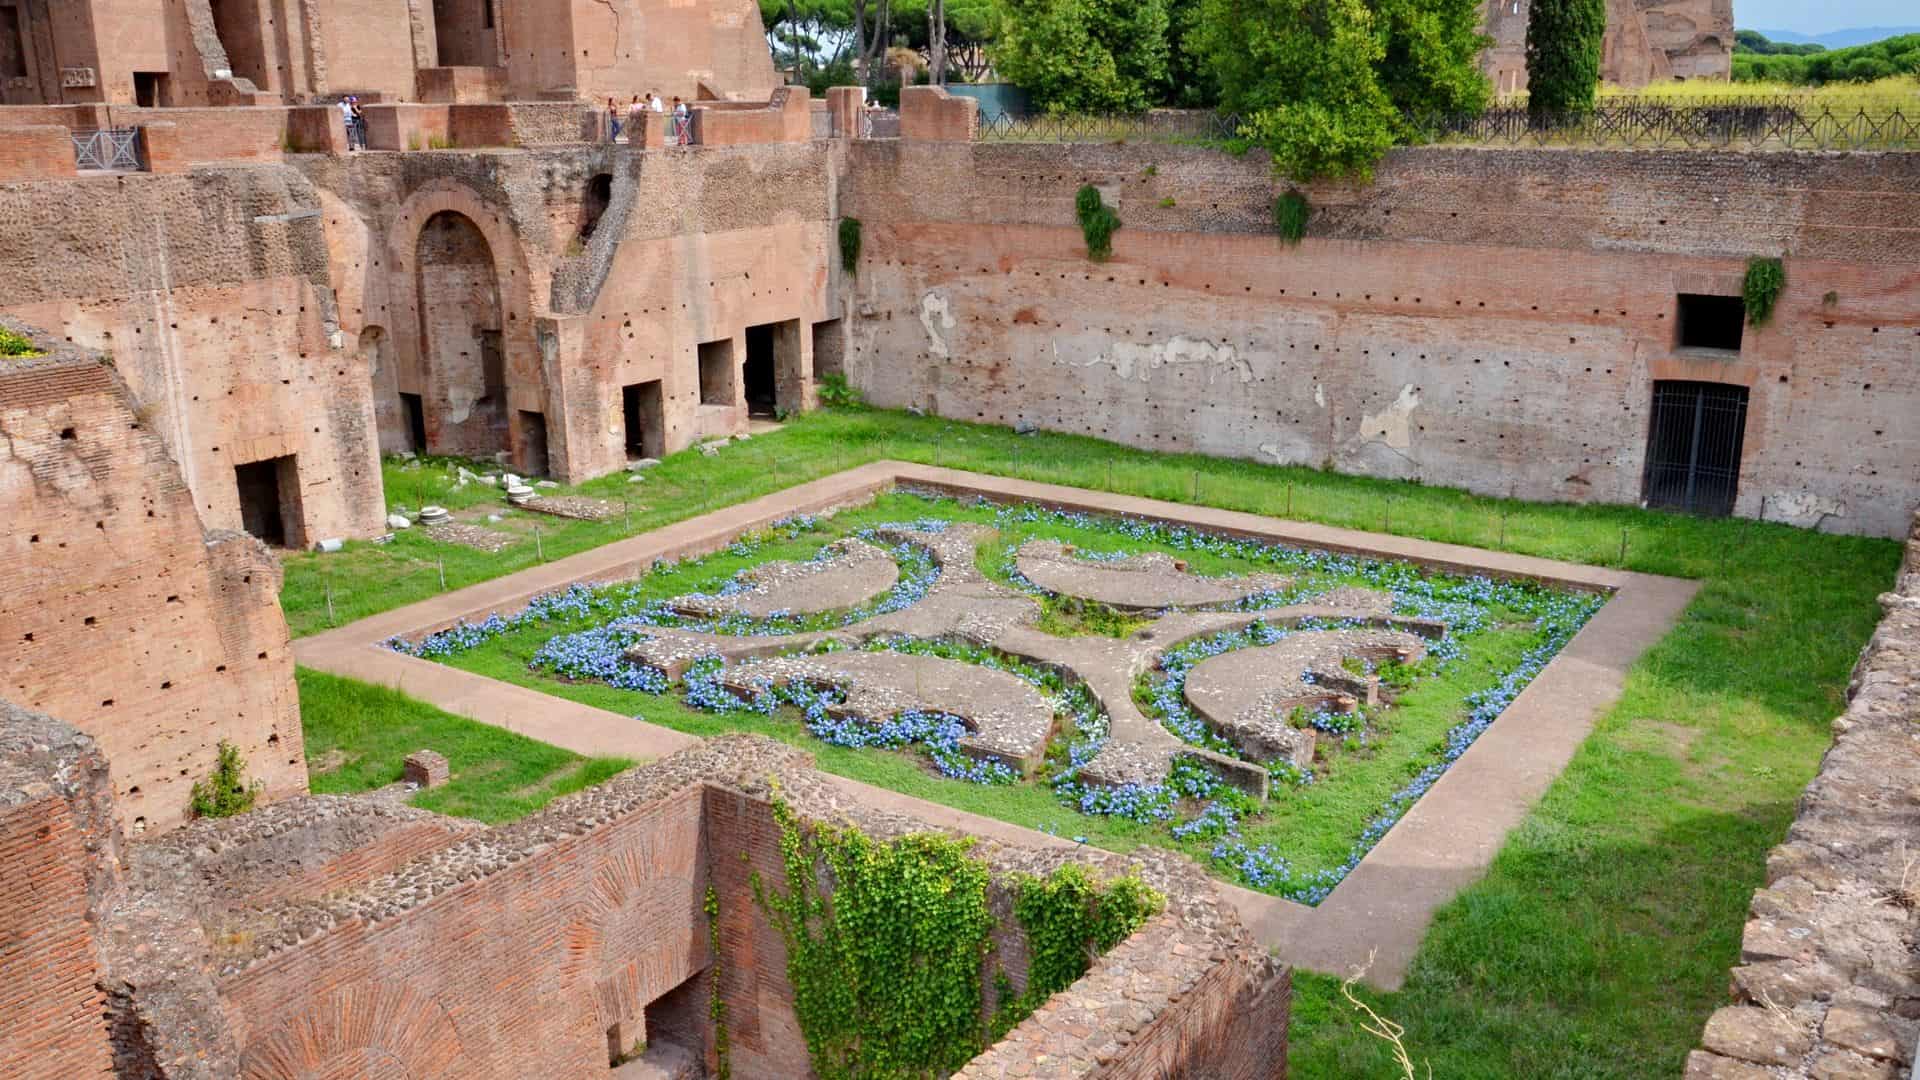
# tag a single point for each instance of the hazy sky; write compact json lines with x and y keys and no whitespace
{"x":1818,"y":18}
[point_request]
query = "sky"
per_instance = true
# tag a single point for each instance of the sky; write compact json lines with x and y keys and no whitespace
{"x":1818,"y":18}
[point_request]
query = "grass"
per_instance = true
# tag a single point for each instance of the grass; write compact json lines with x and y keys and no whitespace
{"x":1901,"y":91}
{"x":1600,"y":939}
{"x":357,"y":736}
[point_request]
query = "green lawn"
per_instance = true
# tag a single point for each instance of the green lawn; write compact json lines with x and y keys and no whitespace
{"x":1600,"y":940}
{"x":358,"y":734}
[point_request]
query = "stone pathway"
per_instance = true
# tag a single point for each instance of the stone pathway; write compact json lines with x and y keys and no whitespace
{"x":1153,"y":581}
{"x":1443,"y":843}
{"x":577,"y":507}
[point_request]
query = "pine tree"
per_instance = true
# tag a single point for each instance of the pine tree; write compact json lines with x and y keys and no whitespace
{"x":1563,"y":57}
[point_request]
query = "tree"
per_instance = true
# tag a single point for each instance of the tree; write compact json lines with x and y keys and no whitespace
{"x":1431,"y":62}
{"x":1563,"y":57}
{"x":1084,"y":55}
{"x":1301,"y":74}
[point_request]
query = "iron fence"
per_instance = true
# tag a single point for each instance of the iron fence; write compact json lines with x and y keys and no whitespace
{"x":112,"y":149}
{"x":1782,"y":123}
{"x":1753,"y":123}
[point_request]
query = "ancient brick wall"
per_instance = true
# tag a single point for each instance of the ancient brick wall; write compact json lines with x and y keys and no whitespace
{"x":211,"y":293}
{"x":596,"y":49}
{"x":35,"y":153}
{"x":109,"y":570}
{"x":1826,"y":985}
{"x":60,"y":848}
{"x":1488,"y":319}
{"x":1646,"y":41}
{"x":368,"y":47}
{"x":787,"y":117}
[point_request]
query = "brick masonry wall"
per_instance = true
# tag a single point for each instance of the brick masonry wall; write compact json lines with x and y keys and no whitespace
{"x":1486,"y":319}
{"x":107,"y":569}
{"x":211,"y":293}
{"x":35,"y":153}
{"x":60,"y":850}
{"x":1826,"y":986}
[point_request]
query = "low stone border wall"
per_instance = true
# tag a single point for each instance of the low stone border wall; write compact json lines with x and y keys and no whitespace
{"x":1827,"y":985}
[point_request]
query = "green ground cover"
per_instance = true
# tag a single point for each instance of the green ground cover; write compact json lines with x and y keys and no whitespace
{"x":1600,"y":939}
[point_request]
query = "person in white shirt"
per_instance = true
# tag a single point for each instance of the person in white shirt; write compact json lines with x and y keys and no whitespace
{"x":654,"y":102}
{"x":346,"y":118}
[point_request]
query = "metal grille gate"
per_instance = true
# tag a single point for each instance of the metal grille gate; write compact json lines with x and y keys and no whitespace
{"x":1693,"y":446}
{"x":116,"y":149}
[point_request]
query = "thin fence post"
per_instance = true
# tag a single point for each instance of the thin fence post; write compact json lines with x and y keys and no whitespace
{"x":1109,"y":474}
{"x":626,"y":511}
{"x":1503,"y":527}
{"x":1389,"y":515}
{"x":1196,"y":486}
{"x":539,"y":548}
{"x":1623,"y":545}
{"x":329,"y":603}
{"x":442,"y":561}
{"x":1289,"y":498}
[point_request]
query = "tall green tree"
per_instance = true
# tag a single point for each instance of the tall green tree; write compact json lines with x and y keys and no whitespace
{"x":1431,"y":61}
{"x":1563,"y":57}
{"x":1301,"y":74}
{"x":1084,"y":55}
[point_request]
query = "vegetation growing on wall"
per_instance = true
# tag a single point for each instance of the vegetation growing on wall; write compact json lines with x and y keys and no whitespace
{"x":17,"y":345}
{"x":1761,"y":289}
{"x":850,"y":237}
{"x":226,"y":792}
{"x":1290,"y":212}
{"x":885,"y":965}
{"x":1098,"y":222}
{"x":716,"y":1004}
{"x":1563,"y":57}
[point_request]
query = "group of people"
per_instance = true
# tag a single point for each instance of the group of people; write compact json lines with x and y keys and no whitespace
{"x":356,"y":121}
{"x":679,"y":121}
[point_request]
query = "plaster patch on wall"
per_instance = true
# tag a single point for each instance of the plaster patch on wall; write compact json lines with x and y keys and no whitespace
{"x":936,"y":314}
{"x":1394,"y":424}
{"x":1802,"y":508}
{"x":1319,"y":395}
{"x":1130,"y":361}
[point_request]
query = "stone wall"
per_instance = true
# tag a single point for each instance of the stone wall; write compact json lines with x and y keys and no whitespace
{"x":1826,"y":986}
{"x":1488,"y":319}
{"x":61,"y":851}
{"x":210,"y":292}
{"x":1647,"y":41}
{"x":119,"y":612}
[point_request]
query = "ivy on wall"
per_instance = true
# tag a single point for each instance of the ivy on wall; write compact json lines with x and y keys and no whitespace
{"x":1761,"y":289}
{"x":716,"y":1004}
{"x":1098,"y":222}
{"x":850,"y":245}
{"x":886,"y":942}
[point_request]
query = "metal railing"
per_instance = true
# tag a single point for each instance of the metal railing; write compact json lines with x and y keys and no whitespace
{"x":1781,"y":123}
{"x":1755,"y":123}
{"x":109,"y":149}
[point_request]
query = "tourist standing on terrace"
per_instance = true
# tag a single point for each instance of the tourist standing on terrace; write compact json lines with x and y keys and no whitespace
{"x":682,"y":121}
{"x":346,"y":120}
{"x":356,"y":123}
{"x":613,"y":120}
{"x":634,"y":120}
{"x":653,"y":101}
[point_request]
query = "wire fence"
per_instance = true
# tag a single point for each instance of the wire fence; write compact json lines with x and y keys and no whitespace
{"x":1755,"y":123}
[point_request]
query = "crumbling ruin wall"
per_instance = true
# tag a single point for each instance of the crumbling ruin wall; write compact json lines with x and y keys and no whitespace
{"x":210,"y":293}
{"x":1492,"y":320}
{"x":598,"y":292}
{"x":119,"y":612}
{"x":61,"y":851}
{"x":1647,"y":41}
{"x":1826,"y":985}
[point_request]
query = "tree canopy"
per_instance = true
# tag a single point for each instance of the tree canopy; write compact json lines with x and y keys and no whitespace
{"x":1084,"y":55}
{"x":1860,"y":63}
{"x":1563,"y":56}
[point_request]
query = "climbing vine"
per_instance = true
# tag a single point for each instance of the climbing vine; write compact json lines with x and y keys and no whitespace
{"x":1290,"y":212}
{"x":886,"y":976}
{"x":886,"y":943}
{"x":1098,"y":222}
{"x":1761,"y":289}
{"x":716,"y":1004}
{"x":850,"y":245}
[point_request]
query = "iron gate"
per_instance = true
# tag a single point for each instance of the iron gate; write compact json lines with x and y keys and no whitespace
{"x":114,"y":149}
{"x":1693,"y":446}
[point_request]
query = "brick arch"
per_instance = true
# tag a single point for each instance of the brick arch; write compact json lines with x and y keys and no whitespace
{"x":362,"y":1030}
{"x":637,"y":934}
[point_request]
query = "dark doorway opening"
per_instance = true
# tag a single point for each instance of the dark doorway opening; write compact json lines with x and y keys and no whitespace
{"x":531,"y":456}
{"x":238,"y":25}
{"x":463,"y":29}
{"x":642,"y":406}
{"x":716,"y":372}
{"x":13,"y":44}
{"x":416,"y":410}
{"x":1694,"y":445}
{"x":269,"y":500}
{"x":598,"y":197}
{"x":1710,"y":322}
{"x":150,"y":89}
{"x":762,"y":391}
{"x":829,"y":350}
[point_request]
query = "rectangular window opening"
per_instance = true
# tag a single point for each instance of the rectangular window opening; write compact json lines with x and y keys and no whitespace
{"x":716,"y":372}
{"x":643,"y":408}
{"x":1710,"y":322}
{"x":416,"y":410}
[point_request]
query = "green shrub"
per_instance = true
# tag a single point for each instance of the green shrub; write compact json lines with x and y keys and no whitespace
{"x":1098,"y":222}
{"x":850,"y":237}
{"x":836,"y":392}
{"x":1290,"y":213}
{"x":12,"y":344}
{"x":1761,"y":289}
{"x":1563,"y":57}
{"x":226,"y":792}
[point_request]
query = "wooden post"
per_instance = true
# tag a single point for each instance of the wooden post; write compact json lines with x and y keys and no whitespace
{"x":329,"y":603}
{"x":443,"y":573}
{"x":539,"y":549}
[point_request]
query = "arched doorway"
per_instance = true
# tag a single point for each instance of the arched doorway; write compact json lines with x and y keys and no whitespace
{"x":458,"y":295}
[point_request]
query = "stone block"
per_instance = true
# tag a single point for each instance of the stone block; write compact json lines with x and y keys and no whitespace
{"x":426,"y":769}
{"x":1761,"y":1036}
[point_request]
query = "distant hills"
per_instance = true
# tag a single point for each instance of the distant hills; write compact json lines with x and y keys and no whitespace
{"x":1841,"y":39}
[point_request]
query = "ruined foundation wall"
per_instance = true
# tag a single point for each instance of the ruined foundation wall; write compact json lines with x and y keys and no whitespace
{"x":60,"y":848}
{"x":1826,"y":985}
{"x":119,"y":613}
{"x":1486,"y":319}
{"x":210,"y":292}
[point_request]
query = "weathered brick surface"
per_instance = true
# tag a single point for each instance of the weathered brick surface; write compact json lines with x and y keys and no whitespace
{"x":1492,"y":320}
{"x":119,"y":612}
{"x":930,"y":114}
{"x":786,"y":117}
{"x":1826,"y":986}
{"x":60,"y":849}
{"x":43,"y":152}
